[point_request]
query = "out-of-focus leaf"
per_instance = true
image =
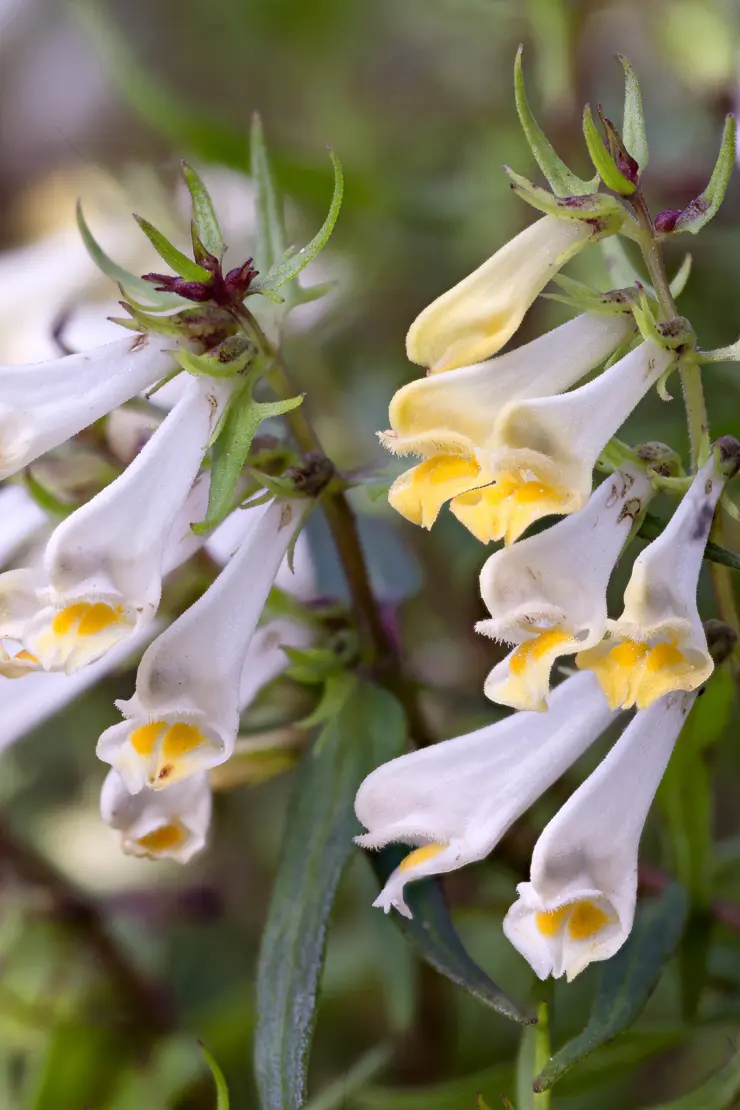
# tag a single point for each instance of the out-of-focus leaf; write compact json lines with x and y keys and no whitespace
{"x":151,"y":299}
{"x":222,"y":1091}
{"x":271,"y":238}
{"x":368,"y":729}
{"x":231,"y":448}
{"x":338,"y":1093}
{"x":564,"y":182}
{"x":620,"y":269}
{"x":452,"y":1094}
{"x":652,"y":527}
{"x":78,"y":1069}
{"x":627,"y":981}
{"x":289,"y":268}
{"x":613,"y":1060}
{"x":718,"y":1093}
{"x":534,"y":1052}
{"x":701,"y":210}
{"x":605,"y":165}
{"x":174,"y":258}
{"x":204,"y":214}
{"x":680,"y":278}
{"x":165,"y":1076}
{"x":633,"y":125}
{"x":432,"y":933}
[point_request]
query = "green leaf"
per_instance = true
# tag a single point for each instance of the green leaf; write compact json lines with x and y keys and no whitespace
{"x":718,"y":1093}
{"x":680,"y":278}
{"x":121,"y":276}
{"x":77,"y":1067}
{"x":204,"y":214}
{"x":338,"y":1093}
{"x":312,"y":665}
{"x":627,"y":981}
{"x":289,"y":268}
{"x":605,"y":165}
{"x":628,"y":1051}
{"x":563,"y":182}
{"x":368,"y":729}
{"x":534,"y":1052}
{"x":271,"y":238}
{"x":451,"y":1094}
{"x":242,"y":421}
{"x":620,"y":269}
{"x":234,"y":355}
{"x":45,"y":498}
{"x":222,"y":1093}
{"x":633,"y":125}
{"x":652,"y":527}
{"x":701,"y":210}
{"x":432,"y":933}
{"x":174,"y":258}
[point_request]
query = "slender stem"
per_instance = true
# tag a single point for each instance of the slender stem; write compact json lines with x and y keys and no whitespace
{"x":147,"y":1006}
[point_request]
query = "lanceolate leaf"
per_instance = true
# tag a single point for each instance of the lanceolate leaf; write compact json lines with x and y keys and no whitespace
{"x":204,"y":214}
{"x":290,"y":268}
{"x":627,"y":981}
{"x":179,"y":262}
{"x":432,"y":933}
{"x":222,"y":1093}
{"x":270,"y":223}
{"x":603,"y":162}
{"x":368,"y":729}
{"x":718,"y":1093}
{"x":230,"y":450}
{"x":705,"y":206}
{"x":564,"y":182}
{"x":633,"y":126}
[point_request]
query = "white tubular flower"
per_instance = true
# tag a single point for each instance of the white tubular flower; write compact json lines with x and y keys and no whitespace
{"x":44,"y":404}
{"x":579,"y":904}
{"x":542,"y":452}
{"x":547,"y":594}
{"x":449,"y":418}
{"x":474,"y":319}
{"x":658,"y":644}
{"x":458,"y":798}
{"x":104,"y":563}
{"x":184,"y":715}
{"x":159,"y":824}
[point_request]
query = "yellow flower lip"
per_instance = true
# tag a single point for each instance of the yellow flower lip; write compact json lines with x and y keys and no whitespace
{"x":505,"y":509}
{"x":419,"y":493}
{"x":637,"y":673}
{"x":163,"y":745}
{"x":582,"y":920}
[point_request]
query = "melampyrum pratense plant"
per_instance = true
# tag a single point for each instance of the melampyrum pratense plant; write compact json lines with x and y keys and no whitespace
{"x":506,"y":439}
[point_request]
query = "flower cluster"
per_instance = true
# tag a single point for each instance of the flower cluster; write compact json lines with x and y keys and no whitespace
{"x":507,"y":441}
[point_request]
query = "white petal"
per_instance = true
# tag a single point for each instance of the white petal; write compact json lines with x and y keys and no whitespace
{"x":474,"y":319}
{"x":165,"y":824}
{"x":44,"y":404}
{"x":585,"y":861}
{"x":463,"y":794}
{"x":20,"y":520}
{"x":190,"y":675}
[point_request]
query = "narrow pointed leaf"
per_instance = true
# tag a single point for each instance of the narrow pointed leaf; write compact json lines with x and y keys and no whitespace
{"x":681,"y":276}
{"x":144,"y":289}
{"x":701,"y":210}
{"x":271,"y":239}
{"x":718,"y":1093}
{"x":204,"y":214}
{"x":605,"y":165}
{"x":289,"y":268}
{"x":534,"y":1052}
{"x":563,"y":182}
{"x":633,"y":125}
{"x":432,"y":933}
{"x":627,"y":981}
{"x":174,"y":258}
{"x":230,"y":451}
{"x":368,"y":729}
{"x":222,"y":1092}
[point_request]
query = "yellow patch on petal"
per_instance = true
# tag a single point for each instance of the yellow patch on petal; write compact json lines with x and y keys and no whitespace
{"x":586,"y":920}
{"x":530,"y":664}
{"x":63,"y":622}
{"x":419,"y":493}
{"x":421,"y":855}
{"x":632,"y":673}
{"x":25,"y":657}
{"x":549,"y":922}
{"x":507,"y":508}
{"x":85,"y":618}
{"x":145,"y":737}
{"x":533,"y":651}
{"x":162,"y":839}
{"x":179,"y":739}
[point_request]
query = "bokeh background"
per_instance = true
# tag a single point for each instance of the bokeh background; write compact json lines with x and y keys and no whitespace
{"x":101,"y":100}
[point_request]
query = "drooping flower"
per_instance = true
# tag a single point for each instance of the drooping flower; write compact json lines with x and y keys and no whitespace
{"x":547,"y":593}
{"x":579,"y":904}
{"x":159,"y":824}
{"x":103,"y":565}
{"x":449,"y":419}
{"x":658,"y":644}
{"x":455,"y":800}
{"x":184,"y":715}
{"x":42,"y":405}
{"x":543,"y":451}
{"x":477,"y":316}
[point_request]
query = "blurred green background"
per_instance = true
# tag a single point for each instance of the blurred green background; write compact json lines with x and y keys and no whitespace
{"x":416,"y":98}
